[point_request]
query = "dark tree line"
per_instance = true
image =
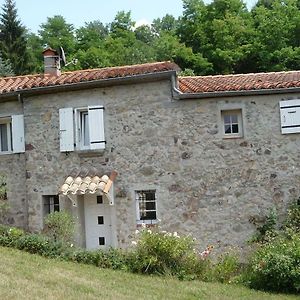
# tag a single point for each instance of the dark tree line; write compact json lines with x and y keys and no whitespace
{"x":217,"y":38}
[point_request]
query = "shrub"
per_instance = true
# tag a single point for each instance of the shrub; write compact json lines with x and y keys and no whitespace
{"x":225,"y":269}
{"x":39,"y":244}
{"x":276,"y":265}
{"x":9,"y":235}
{"x":159,"y":252}
{"x":86,"y":257}
{"x":33,"y":243}
{"x":267,"y":229}
{"x":4,"y":208}
{"x":60,"y":227}
{"x":112,"y":258}
{"x":117,"y":259}
{"x":293,"y":217}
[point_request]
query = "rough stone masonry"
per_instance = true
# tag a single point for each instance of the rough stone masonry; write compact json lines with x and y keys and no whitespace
{"x":207,"y":186}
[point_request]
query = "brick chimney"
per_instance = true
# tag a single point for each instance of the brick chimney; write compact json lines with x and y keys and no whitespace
{"x":51,"y":62}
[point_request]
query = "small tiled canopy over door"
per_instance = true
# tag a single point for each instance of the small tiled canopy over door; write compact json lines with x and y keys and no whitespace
{"x":290,"y":116}
{"x":96,"y":127}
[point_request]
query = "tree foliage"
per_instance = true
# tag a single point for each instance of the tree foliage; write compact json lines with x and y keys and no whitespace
{"x":220,"y":37}
{"x":13,"y":39}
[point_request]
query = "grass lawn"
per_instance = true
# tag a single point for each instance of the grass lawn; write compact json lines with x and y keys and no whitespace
{"x":26,"y":276}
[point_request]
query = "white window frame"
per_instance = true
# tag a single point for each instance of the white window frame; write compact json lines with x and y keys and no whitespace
{"x":79,"y":129}
{"x":139,"y":220}
{"x":230,"y":112}
{"x":8,"y":122}
{"x":79,"y":112}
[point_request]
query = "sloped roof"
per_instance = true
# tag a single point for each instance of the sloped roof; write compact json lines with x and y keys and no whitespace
{"x":239,"y":82}
{"x":27,"y":82}
{"x":187,"y":85}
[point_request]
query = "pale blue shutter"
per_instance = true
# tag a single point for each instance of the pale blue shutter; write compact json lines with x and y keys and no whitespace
{"x":290,"y":116}
{"x":18,"y":139}
{"x":66,"y":129}
{"x":96,"y":127}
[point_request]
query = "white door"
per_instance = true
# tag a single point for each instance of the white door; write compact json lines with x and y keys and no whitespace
{"x":98,"y":227}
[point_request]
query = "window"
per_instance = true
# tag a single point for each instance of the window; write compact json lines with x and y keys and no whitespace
{"x":12,"y":134}
{"x":5,"y":135}
{"x":100,"y":220}
{"x":100,"y":199}
{"x":232,"y":123}
{"x":88,"y":126}
{"x":146,"y":206}
{"x":102,"y":241}
{"x":51,"y":204}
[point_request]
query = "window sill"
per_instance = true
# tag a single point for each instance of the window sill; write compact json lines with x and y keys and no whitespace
{"x":90,"y":153}
{"x":146,"y":222}
{"x":226,"y":137}
{"x":6,"y":153}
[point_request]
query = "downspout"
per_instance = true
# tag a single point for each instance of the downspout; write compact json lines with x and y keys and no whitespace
{"x":176,"y":93}
{"x":21,"y":101}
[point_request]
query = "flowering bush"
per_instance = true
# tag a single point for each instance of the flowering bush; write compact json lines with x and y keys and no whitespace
{"x":276,"y":265}
{"x":160,"y":252}
{"x":292,"y":221}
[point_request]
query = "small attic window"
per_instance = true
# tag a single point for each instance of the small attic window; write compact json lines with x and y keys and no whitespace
{"x":232,"y":123}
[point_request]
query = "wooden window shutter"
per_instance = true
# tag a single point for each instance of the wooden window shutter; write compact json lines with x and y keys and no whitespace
{"x":18,"y":139}
{"x":66,"y":129}
{"x":96,"y":127}
{"x":290,"y":116}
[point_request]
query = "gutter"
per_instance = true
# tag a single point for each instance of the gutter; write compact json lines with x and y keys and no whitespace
{"x":90,"y":84}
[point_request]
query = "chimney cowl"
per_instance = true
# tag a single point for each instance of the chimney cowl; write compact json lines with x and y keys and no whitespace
{"x":51,"y":62}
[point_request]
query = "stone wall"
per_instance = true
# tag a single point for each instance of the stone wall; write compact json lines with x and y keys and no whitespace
{"x":12,"y":166}
{"x":211,"y":187}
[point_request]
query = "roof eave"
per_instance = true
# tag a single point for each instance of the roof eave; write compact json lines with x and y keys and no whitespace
{"x":155,"y":76}
{"x":182,"y":96}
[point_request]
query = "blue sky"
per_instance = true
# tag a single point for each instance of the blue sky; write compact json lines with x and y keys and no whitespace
{"x":35,"y":12}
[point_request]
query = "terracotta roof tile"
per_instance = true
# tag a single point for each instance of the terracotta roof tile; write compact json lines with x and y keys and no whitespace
{"x":239,"y":82}
{"x":19,"y":83}
{"x":86,"y":182}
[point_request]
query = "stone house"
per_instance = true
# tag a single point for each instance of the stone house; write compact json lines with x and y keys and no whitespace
{"x":122,"y":146}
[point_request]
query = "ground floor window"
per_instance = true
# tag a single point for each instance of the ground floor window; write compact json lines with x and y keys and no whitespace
{"x":51,"y":204}
{"x":146,"y":206}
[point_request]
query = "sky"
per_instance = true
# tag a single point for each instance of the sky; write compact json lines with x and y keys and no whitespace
{"x":33,"y":13}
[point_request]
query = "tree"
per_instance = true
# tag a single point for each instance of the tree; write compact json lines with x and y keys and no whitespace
{"x":91,"y":35}
{"x":277,"y":35}
{"x":122,"y":24}
{"x":221,"y":32}
{"x":5,"y":68}
{"x":167,"y":24}
{"x":12,"y":39}
{"x":35,"y":48}
{"x":144,"y":33}
{"x":56,"y":32}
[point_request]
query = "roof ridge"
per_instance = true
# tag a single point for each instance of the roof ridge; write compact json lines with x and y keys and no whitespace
{"x":118,"y":67}
{"x":240,"y":74}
